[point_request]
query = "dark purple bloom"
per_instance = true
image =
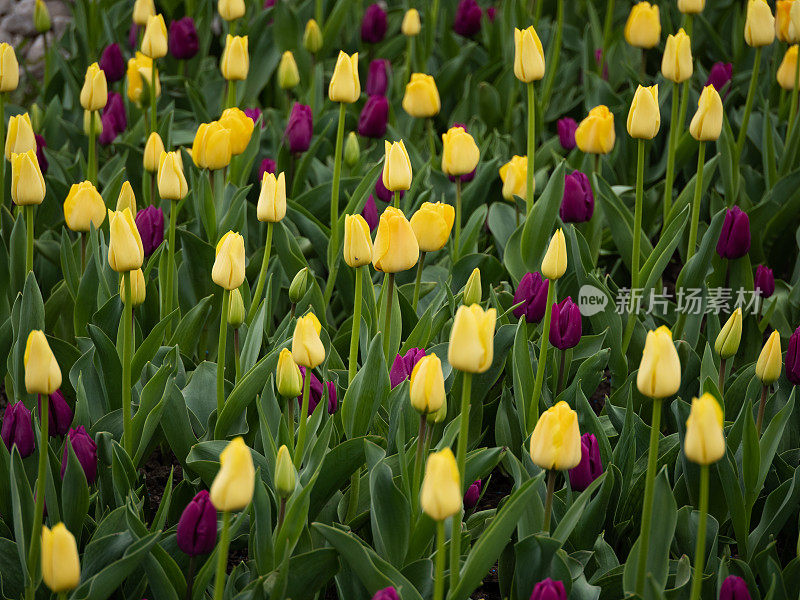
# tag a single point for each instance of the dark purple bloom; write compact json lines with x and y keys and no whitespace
{"x":150,"y":223}
{"x":491,"y":12}
{"x":473,"y":494}
{"x":403,"y":365}
{"x":300,"y":128}
{"x":374,"y":116}
{"x":85,"y":450}
{"x":388,"y":593}
{"x":565,"y":324}
{"x":197,"y":527}
{"x":577,"y":203}
{"x":109,"y":132}
{"x":734,"y":240}
{"x":468,"y":18}
{"x":764,"y":281}
{"x":792,"y":360}
{"x":333,"y":397}
{"x":370,"y":213}
{"x":469,"y":176}
{"x":41,"y":144}
{"x":254,"y":114}
{"x":112,"y":63}
{"x":566,"y":132}
{"x":549,"y":590}
{"x":532,"y":292}
{"x":598,"y":58}
{"x":316,"y":389}
{"x":591,"y":465}
{"x":269,"y":3}
{"x":133,"y":35}
{"x":734,"y":588}
{"x":183,"y":41}
{"x":373,"y":26}
{"x":114,"y":119}
{"x":378,"y":77}
{"x":18,"y":429}
{"x":59,"y":414}
{"x":719,"y":75}
{"x":267,"y":166}
{"x":382,"y":193}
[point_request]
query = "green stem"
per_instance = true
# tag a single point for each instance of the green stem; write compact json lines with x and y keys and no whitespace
{"x":533,"y":407}
{"x":318,"y":11}
{"x":607,"y":23}
{"x":438,"y":582}
{"x":636,"y":251}
{"x":356,"y":328}
{"x":793,"y":105}
{"x":407,"y":60}
{"x":91,"y":160}
{"x":761,"y":406}
{"x":290,"y":402}
{"x":700,"y":548}
{"x":237,"y":363}
{"x":301,"y":431}
{"x":748,"y":108}
{"x":457,"y":237}
{"x":127,"y":355}
{"x":647,"y":507}
{"x":222,"y":556}
{"x":171,"y":267}
{"x":530,"y":150}
{"x":230,"y":101}
{"x":337,"y":172}
{"x":396,"y":199}
{"x":262,"y":276}
{"x":721,"y":378}
{"x":418,"y":281}
{"x":431,"y":139}
{"x":548,"y":501}
{"x":153,"y":100}
{"x":38,"y":509}
{"x":2,"y":141}
{"x":684,"y":108}
{"x":552,"y":68}
{"x":223,"y":338}
{"x":698,"y":193}
{"x":355,"y":493}
{"x":29,"y":240}
{"x":673,"y":134}
{"x":461,"y":461}
{"x":419,"y":460}
{"x":387,"y":321}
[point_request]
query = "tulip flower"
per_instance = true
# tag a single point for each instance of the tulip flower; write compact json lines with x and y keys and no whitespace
{"x":421,"y":99}
{"x":643,"y":27}
{"x":768,"y":366}
{"x":142,"y":11}
{"x":373,"y":25}
{"x":241,"y":127}
{"x":270,"y":210}
{"x":84,"y":207}
{"x":549,"y":590}
{"x":734,"y":239}
{"x":427,"y":385}
{"x":140,"y":72}
{"x":112,"y":122}
{"x":472,"y":339}
{"x":591,"y":465}
{"x":112,"y":63}
{"x":759,"y":26}
{"x":565,"y":324}
{"x":345,"y":86}
{"x":20,"y":137}
{"x":125,"y":250}
{"x":577,"y":202}
{"x":691,"y":7}
{"x":288,"y":74}
{"x":374,"y":117}
{"x":644,"y":117}
{"x":411,"y":26}
{"x":370,"y":212}
{"x":727,"y":343}
{"x":184,"y":42}
{"x":440,"y":496}
{"x":230,"y":10}
{"x":352,"y":151}
{"x":793,"y":358}
{"x":28,"y":190}
{"x":473,"y":494}
{"x":432,"y":224}
{"x":154,"y":41}
{"x":532,"y":293}
{"x":61,"y":569}
{"x":299,"y":286}
{"x":764,"y":282}
{"x":17,"y":429}
{"x":212,"y":147}
{"x":554,"y":263}
{"x":234,"y":64}
{"x":378,"y":77}
{"x":788,"y":69}
{"x":514,"y":175}
{"x":316,"y":392}
{"x":197,"y":527}
{"x":94,"y":93}
{"x":460,"y":155}
{"x":595,"y":134}
{"x":719,"y":75}
{"x":171,"y":180}
{"x":566,"y":132}
{"x":285,"y":478}
{"x":59,"y":414}
{"x":85,"y":450}
{"x":467,"y":21}
{"x":150,"y":223}
{"x":357,"y":241}
{"x":287,"y":376}
{"x":42,"y":374}
{"x":473,"y":292}
{"x":299,"y":128}
{"x":233,"y":486}
{"x":309,"y":352}
{"x":734,"y":588}
{"x":787,"y":21}
{"x":397,"y":172}
{"x":312,"y":37}
{"x":706,"y":124}
{"x":403,"y":366}
{"x":9,"y":68}
{"x":267,"y":166}
{"x":153,"y":150}
{"x":676,"y":64}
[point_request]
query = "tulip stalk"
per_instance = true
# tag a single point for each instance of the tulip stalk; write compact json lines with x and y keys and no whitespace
{"x":674,"y":128}
{"x":762,"y":404}
{"x":636,"y":250}
{"x":748,"y":108}
{"x":230,"y":100}
{"x":387,"y":322}
{"x":548,"y":501}
{"x":533,"y":407}
{"x":607,"y":24}
{"x":438,"y":582}
{"x":419,"y":459}
{"x":262,"y":275}
{"x":301,"y":431}
{"x":418,"y":280}
{"x":531,"y":139}
{"x":337,"y":173}
{"x":170,"y":283}
{"x":698,"y":192}
{"x":553,"y":67}
{"x":3,"y":141}
{"x":793,"y":105}
{"x":461,"y":461}
{"x":431,"y":138}
{"x":127,"y":354}
{"x":153,"y":99}
{"x":222,"y":555}
{"x":647,"y":506}
{"x":457,"y":234}
{"x":700,"y":548}
{"x":356,"y":328}
{"x":223,"y":335}
{"x":34,"y":548}
{"x":29,"y":238}
{"x":721,"y":378}
{"x":91,"y":160}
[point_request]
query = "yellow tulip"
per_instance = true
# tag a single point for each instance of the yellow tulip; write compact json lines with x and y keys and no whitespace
{"x":42,"y":374}
{"x":427,"y":385}
{"x":643,"y":28}
{"x":312,"y":37}
{"x":556,"y":439}
{"x":357,"y":241}
{"x":691,"y":7}
{"x":704,"y":442}
{"x":676,"y":64}
{"x":126,"y":198}
{"x":61,"y":567}
{"x":142,"y":11}
{"x":595,"y":134}
{"x":706,"y":123}
{"x":554,"y":263}
{"x":125,"y":251}
{"x":154,"y":41}
{"x":759,"y":26}
{"x":768,"y":366}
{"x":235,"y":62}
{"x":460,"y":153}
{"x":84,"y":207}
{"x":787,"y":21}
{"x":307,"y":348}
{"x":440,"y":495}
{"x":27,"y":182}
{"x":788,"y":68}
{"x":228,"y":269}
{"x":411,"y":26}
{"x":19,"y":137}
{"x":9,"y":69}
{"x":171,"y":180}
{"x":432,"y":224}
{"x":153,"y":150}
{"x":230,"y":10}
{"x":138,"y":288}
{"x":211,"y":148}
{"x":285,"y":474}
{"x":471,"y":347}
{"x":288,"y":74}
{"x":94,"y":93}
{"x":41,"y":17}
{"x":727,"y":342}
{"x":232,"y":488}
{"x":288,"y":375}
{"x":660,"y":369}
{"x":514,"y":175}
{"x":241,"y":127}
{"x":140,"y":72}
{"x":644,"y":116}
{"x":421,"y":99}
{"x":345,"y":85}
{"x":272,"y":199}
{"x":395,"y":248}
{"x":528,"y":55}
{"x":396,"y":167}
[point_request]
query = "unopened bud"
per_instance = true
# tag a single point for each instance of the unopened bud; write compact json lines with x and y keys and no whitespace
{"x":299,"y":285}
{"x":352,"y":151}
{"x":473,"y":291}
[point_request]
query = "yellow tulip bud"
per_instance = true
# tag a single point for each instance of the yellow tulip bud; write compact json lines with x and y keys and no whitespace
{"x":139,"y":73}
{"x":595,"y":134}
{"x":345,"y":85}
{"x":171,"y":180}
{"x":352,"y":151}
{"x":228,"y":269}
{"x":154,"y":41}
{"x":395,"y":248}
{"x":691,"y":7}
{"x":706,"y":123}
{"x":138,"y":287}
{"x":142,"y":11}
{"x":312,"y":37}
{"x":288,"y":376}
{"x":427,"y":385}
{"x":472,"y":339}
{"x":61,"y":567}
{"x":759,"y":26}
{"x":126,"y":198}
{"x":272,"y":199}
{"x":9,"y":69}
{"x":411,"y":25}
{"x":643,"y":28}
{"x":396,"y":167}
{"x":307,"y":348}
{"x":92,"y":117}
{"x":230,"y":10}
{"x":421,"y":99}
{"x":125,"y":251}
{"x":19,"y":138}
{"x":676,"y":64}
{"x":554,"y":263}
{"x":787,"y":21}
{"x":236,"y":313}
{"x":285,"y":475}
{"x":153,"y":150}
{"x":704,"y":442}
{"x":514,"y":175}
{"x":644,"y":116}
{"x":727,"y":342}
{"x":241,"y":127}
{"x":432,"y":224}
{"x":212,"y":148}
{"x":768,"y":366}
{"x":556,"y":439}
{"x":473,"y":291}
{"x":94,"y":93}
{"x":27,"y":182}
{"x":42,"y":374}
{"x":41,"y":17}
{"x":84,"y":207}
{"x":788,"y":68}
{"x":440,"y":495}
{"x":233,"y":486}
{"x":460,"y":153}
{"x":528,"y":55}
{"x":357,"y":241}
{"x":235,"y":62}
{"x":288,"y":74}
{"x":660,"y":369}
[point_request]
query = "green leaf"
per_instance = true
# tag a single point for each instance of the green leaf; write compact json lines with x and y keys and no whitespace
{"x":538,"y":227}
{"x":74,"y":493}
{"x":367,"y":392}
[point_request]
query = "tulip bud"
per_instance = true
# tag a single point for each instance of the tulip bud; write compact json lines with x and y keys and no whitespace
{"x":788,"y":68}
{"x":285,"y":475}
{"x":114,"y":121}
{"x":234,"y":483}
{"x":373,"y":25}
{"x":397,"y":172}
{"x":395,"y":248}
{"x":676,"y":64}
{"x":307,"y":348}
{"x":727,"y":342}
{"x":377,"y":77}
{"x":9,"y":69}
{"x":267,"y":166}
{"x":316,"y":392}
{"x":421,"y":99}
{"x":411,"y":25}
{"x":644,"y":116}
{"x":734,"y":588}
{"x":83,"y":207}
{"x":554,"y":263}
{"x":112,"y":63}
{"x":566,"y":132}
{"x":241,"y":127}
{"x":403,"y":366}
{"x":549,"y":589}
{"x":235,"y":62}
{"x":212,"y":146}
{"x":467,"y":21}
{"x":42,"y":374}
{"x":532,"y":293}
{"x":759,"y":26}
{"x":460,"y":153}
{"x":565,"y":324}
{"x":154,"y":41}
{"x":528,"y":55}
{"x":472,"y":289}
{"x":792,"y":358}
{"x":351,"y":150}
{"x":719,"y":75}
{"x":197,"y":528}
{"x":299,"y":128}
{"x":768,"y":366}
{"x":150,"y":223}
{"x":27,"y":182}
{"x":591,"y":465}
{"x":577,"y":203}
{"x":427,"y":385}
{"x":706,"y":123}
{"x":41,"y":17}
{"x":171,"y":180}
{"x":471,"y":346}
{"x":228,"y":269}
{"x":473,"y":494}
{"x":440,"y":495}
{"x":230,"y":10}
{"x":236,"y":312}
{"x":691,"y":7}
{"x":272,"y":199}
{"x":299,"y":285}
{"x":556,"y":440}
{"x":138,"y":288}
{"x":59,"y":414}
{"x":734,"y":239}
{"x":184,"y":42}
{"x":312,"y":37}
{"x":595,"y":134}
{"x":288,"y":74}
{"x":17,"y":429}
{"x":85,"y":450}
{"x":20,"y":137}
{"x":126,"y":198}
{"x":142,"y":11}
{"x":139,"y":73}
{"x":125,"y":250}
{"x":764,"y":282}
{"x":94,"y":93}
{"x":61,"y":568}
{"x":643,"y":28}
{"x":357,"y":241}
{"x":288,"y":376}
{"x":514,"y":175}
{"x":704,"y":442}
{"x":370,"y":212}
{"x":153,"y":150}
{"x":787,"y":21}
{"x":660,"y":368}
{"x":388,"y":593}
{"x":345,"y":85}
{"x":432,"y":224}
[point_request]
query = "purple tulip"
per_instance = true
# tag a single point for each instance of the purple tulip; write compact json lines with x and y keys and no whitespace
{"x":316,"y":389}
{"x":473,"y":494}
{"x":370,"y":213}
{"x":598,"y":58}
{"x":469,"y":176}
{"x":734,"y":588}
{"x":41,"y":144}
{"x":491,"y":12}
{"x":403,"y":365}
{"x":378,"y":77}
{"x":734,"y":240}
{"x":133,"y":35}
{"x":792,"y":359}
{"x":150,"y":223}
{"x":269,"y":4}
{"x":565,"y":324}
{"x":267,"y":166}
{"x":112,"y":63}
{"x":719,"y":75}
{"x":373,"y":118}
{"x":764,"y":281}
{"x":577,"y":203}
{"x":532,"y":292}
{"x":254,"y":114}
{"x":468,"y":18}
{"x":183,"y":41}
{"x":109,"y":132}
{"x":549,"y":590}
{"x":373,"y":26}
{"x":197,"y":527}
{"x":85,"y":450}
{"x":388,"y":593}
{"x":300,"y":128}
{"x":114,"y":119}
{"x":591,"y":465}
{"x":382,"y":193}
{"x":18,"y":429}
{"x":566,"y":132}
{"x":59,"y":414}
{"x":333,"y":397}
